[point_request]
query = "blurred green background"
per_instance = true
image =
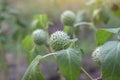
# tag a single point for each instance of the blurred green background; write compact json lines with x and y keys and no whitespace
{"x":53,"y":8}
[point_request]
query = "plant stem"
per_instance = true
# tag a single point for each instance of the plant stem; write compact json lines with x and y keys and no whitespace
{"x":48,"y":55}
{"x":86,"y":23}
{"x":82,"y":23}
{"x":86,"y":73}
{"x":99,"y":78}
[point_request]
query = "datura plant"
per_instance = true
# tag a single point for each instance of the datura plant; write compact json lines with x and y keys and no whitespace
{"x":62,"y":47}
{"x":39,"y":36}
{"x":68,"y":18}
{"x":59,"y":40}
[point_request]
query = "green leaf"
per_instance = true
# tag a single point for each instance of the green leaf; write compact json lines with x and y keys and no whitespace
{"x":102,"y":36}
{"x":69,"y":63}
{"x":105,"y":14}
{"x":34,"y":23}
{"x":27,"y":43}
{"x":113,"y":30}
{"x":117,"y":13}
{"x":110,"y":60}
{"x":66,"y":29}
{"x":109,"y":77}
{"x":113,"y":22}
{"x":39,"y":21}
{"x":31,"y":49}
{"x":33,"y":72}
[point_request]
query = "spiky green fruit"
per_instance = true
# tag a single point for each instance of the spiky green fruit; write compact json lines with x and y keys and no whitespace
{"x":59,"y":40}
{"x":39,"y":36}
{"x":96,"y":54}
{"x":68,"y":18}
{"x":119,"y":35}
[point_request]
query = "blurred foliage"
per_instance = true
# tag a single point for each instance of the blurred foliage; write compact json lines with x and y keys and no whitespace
{"x":52,"y":7}
{"x":105,"y":12}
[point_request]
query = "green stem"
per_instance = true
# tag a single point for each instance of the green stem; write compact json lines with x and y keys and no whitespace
{"x":93,"y":27}
{"x":86,"y":23}
{"x":47,"y":45}
{"x":50,"y":54}
{"x":86,"y":73}
{"x":47,"y":55}
{"x":73,"y":32}
{"x":82,"y":23}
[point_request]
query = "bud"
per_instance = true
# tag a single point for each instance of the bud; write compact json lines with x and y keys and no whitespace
{"x":68,"y":18}
{"x":96,"y":54}
{"x":39,"y":37}
{"x":59,"y":40}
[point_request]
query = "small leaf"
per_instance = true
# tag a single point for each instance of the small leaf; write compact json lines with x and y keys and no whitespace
{"x":102,"y":36}
{"x":69,"y":63}
{"x":33,"y":72}
{"x":66,"y":29}
{"x":41,"y":17}
{"x":114,"y":21}
{"x":111,"y":78}
{"x":110,"y":60}
{"x":113,"y":30}
{"x":27,"y":43}
{"x":105,"y":14}
{"x":117,"y":13}
{"x":34,"y":24}
{"x":39,"y":21}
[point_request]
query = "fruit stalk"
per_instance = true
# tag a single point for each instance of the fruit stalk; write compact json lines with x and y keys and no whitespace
{"x":86,"y":73}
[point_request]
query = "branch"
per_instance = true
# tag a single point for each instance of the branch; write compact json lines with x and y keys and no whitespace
{"x":99,"y":78}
